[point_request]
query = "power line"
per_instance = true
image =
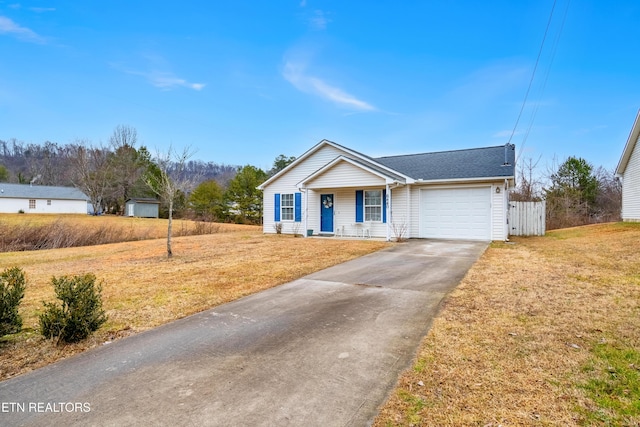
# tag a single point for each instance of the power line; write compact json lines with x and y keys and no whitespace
{"x":533,"y":74}
{"x":554,"y":49}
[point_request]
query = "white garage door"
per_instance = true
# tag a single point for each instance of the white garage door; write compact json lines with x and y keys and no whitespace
{"x":460,"y":213}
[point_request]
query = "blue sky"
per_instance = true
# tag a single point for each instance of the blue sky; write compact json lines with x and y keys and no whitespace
{"x":241,"y":82}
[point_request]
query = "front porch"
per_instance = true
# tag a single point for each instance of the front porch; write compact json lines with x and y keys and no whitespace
{"x":351,"y":212}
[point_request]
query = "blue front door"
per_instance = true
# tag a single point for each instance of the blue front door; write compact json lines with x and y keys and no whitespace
{"x":326,"y":213}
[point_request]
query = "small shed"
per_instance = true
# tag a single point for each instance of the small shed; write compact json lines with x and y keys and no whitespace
{"x":142,"y":207}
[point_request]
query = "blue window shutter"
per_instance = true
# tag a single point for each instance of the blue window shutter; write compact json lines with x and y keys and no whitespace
{"x":384,"y":206}
{"x":298,"y":207}
{"x":277,"y":208}
{"x":359,"y":206}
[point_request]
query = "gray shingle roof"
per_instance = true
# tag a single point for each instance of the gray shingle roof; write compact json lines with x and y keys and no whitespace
{"x":26,"y":191}
{"x":483,"y":162}
{"x":144,"y":200}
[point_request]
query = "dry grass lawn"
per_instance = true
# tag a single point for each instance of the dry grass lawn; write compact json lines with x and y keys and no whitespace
{"x":47,"y":231}
{"x":142,"y":227}
{"x":542,"y":331}
{"x":142,"y":288}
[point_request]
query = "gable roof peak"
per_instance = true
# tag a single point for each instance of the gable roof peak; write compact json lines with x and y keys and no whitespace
{"x":634,"y":135}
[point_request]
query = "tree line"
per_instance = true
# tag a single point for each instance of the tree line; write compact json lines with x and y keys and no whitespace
{"x":110,"y":174}
{"x":576,"y":192}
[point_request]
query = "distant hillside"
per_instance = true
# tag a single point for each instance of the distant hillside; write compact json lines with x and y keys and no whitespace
{"x":50,"y":163}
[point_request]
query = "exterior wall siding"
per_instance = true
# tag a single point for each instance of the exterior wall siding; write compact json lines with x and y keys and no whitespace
{"x":345,"y":173}
{"x":14,"y":205}
{"x":631,"y":187}
{"x":399,"y":218}
{"x":499,"y":206}
{"x":287,"y":184}
{"x":143,"y":210}
{"x":498,"y":201}
{"x":344,"y":206}
{"x":343,"y":180}
{"x":404,"y":211}
{"x":414,"y":227}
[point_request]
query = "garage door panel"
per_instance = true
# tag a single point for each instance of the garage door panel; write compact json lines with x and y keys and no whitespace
{"x":456,"y":213}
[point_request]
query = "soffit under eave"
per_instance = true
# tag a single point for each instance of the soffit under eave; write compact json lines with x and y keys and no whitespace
{"x":469,"y":181}
{"x":384,"y":179}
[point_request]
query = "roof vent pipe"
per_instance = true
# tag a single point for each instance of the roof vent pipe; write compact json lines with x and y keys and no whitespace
{"x":35,"y":178}
{"x":506,"y":155}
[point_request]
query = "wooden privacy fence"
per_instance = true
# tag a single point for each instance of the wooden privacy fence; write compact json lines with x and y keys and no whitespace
{"x":527,"y":218}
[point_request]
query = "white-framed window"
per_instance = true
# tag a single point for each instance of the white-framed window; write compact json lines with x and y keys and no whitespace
{"x":286,"y":207}
{"x":373,"y":205}
{"x":48,"y":202}
{"x":32,"y":203}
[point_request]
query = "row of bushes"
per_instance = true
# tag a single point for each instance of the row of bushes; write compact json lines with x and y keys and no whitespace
{"x":73,"y":318}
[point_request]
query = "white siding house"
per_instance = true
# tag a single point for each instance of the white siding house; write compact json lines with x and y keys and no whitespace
{"x":628,"y":171}
{"x":333,"y":190}
{"x":28,"y":198}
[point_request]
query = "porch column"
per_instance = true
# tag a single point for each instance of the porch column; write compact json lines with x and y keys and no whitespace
{"x":387,"y":203}
{"x":305,"y":193}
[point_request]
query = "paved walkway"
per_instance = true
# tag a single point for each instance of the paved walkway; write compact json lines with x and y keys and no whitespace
{"x":324,"y":350}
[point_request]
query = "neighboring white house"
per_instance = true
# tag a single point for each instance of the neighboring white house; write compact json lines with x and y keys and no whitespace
{"x":333,"y":190}
{"x":628,"y":171}
{"x":29,"y":198}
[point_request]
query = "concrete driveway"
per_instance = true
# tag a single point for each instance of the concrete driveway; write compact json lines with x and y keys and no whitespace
{"x":324,"y":350}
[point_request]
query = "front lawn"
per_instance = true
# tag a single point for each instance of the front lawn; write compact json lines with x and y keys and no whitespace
{"x":142,"y":288}
{"x":541,"y":331}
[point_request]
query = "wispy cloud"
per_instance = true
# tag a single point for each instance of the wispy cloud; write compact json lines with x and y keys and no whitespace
{"x":588,"y":130}
{"x":505,"y":134}
{"x":7,"y":26}
{"x":489,"y":82}
{"x":295,"y":74}
{"x":161,"y":79}
{"x":319,"y":20}
{"x":168,"y":81}
{"x":35,"y":9}
{"x":42,"y":9}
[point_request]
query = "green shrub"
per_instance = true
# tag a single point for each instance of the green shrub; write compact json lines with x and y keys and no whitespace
{"x":12,"y":284}
{"x":81,"y":311}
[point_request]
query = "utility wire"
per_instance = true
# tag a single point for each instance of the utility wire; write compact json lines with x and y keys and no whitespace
{"x":554,"y":49}
{"x":524,"y":102}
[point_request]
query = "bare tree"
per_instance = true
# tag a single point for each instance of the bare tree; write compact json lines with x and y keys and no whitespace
{"x":581,"y":194}
{"x":168,"y":181}
{"x":609,"y":198}
{"x":126,"y":161}
{"x":529,"y":188}
{"x":91,"y":172}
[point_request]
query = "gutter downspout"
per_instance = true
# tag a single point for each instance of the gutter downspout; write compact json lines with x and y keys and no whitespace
{"x":506,"y":211}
